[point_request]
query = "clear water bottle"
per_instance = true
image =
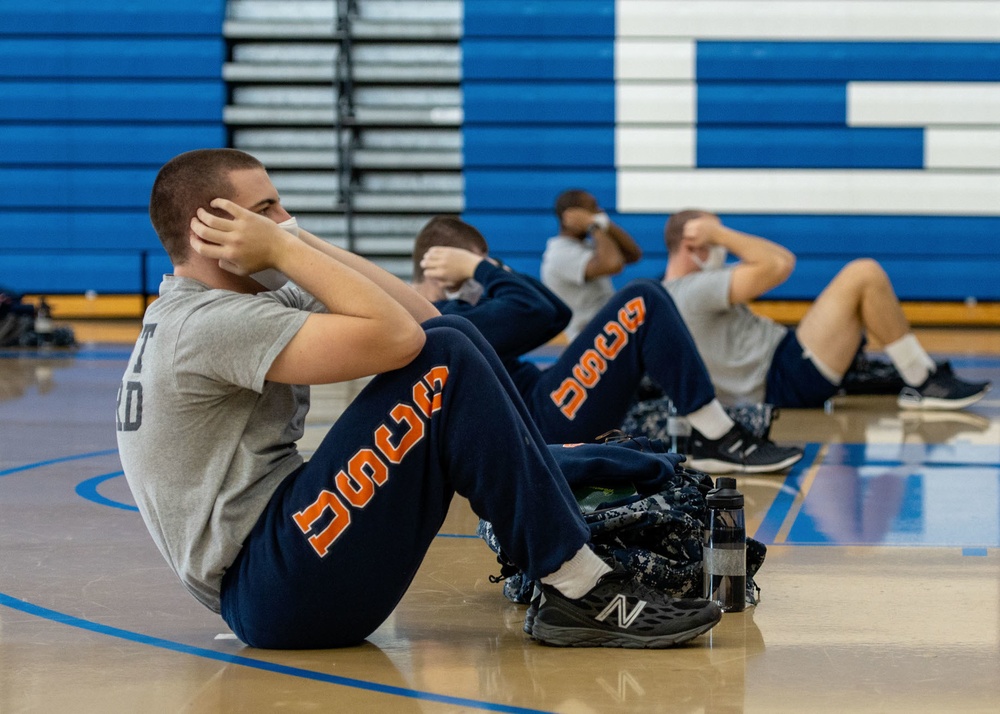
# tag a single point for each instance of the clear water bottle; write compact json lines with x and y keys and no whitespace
{"x":725,"y":548}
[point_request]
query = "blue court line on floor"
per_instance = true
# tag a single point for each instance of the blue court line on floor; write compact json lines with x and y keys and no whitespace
{"x":934,"y":465}
{"x":974,"y":551}
{"x":782,"y":503}
{"x":977,"y":456}
{"x":76,"y":457}
{"x":139,"y":638}
{"x":51,"y":354}
{"x":88,"y":490}
{"x":975,"y":362}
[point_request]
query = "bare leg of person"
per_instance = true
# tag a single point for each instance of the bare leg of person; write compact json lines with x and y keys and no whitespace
{"x":859,"y":298}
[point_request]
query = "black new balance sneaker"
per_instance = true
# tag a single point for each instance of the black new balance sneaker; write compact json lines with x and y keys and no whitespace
{"x":620,"y":612}
{"x":738,"y":451}
{"x":942,"y":390}
{"x":529,"y":616}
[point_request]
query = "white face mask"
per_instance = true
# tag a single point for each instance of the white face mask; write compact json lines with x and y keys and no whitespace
{"x":273,"y":279}
{"x":715,"y":260}
{"x":470,"y":291}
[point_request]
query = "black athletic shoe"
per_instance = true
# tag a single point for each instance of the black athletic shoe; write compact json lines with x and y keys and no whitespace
{"x":869,"y":375}
{"x":942,"y":390}
{"x":532,"y":613}
{"x":738,"y":451}
{"x":620,"y":612}
{"x":872,"y":375}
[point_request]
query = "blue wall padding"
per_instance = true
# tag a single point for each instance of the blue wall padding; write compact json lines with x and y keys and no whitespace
{"x":94,"y":97}
{"x":104,"y":143}
{"x":561,"y":103}
{"x":759,"y":103}
{"x":540,"y":92}
{"x":538,"y":60}
{"x":539,"y":18}
{"x":539,"y":146}
{"x":821,"y":148}
{"x":849,"y":61}
{"x":113,"y":17}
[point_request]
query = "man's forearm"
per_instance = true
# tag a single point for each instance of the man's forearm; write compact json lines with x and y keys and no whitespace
{"x":748,"y":248}
{"x":607,"y":259}
{"x":414,"y":303}
{"x":630,"y":250}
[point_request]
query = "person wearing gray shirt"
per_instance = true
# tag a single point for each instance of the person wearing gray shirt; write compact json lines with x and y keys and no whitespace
{"x":751,"y":358}
{"x":316,"y":554}
{"x":577,"y":264}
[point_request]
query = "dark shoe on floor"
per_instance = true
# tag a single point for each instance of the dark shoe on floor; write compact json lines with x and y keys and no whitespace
{"x":872,"y":375}
{"x":869,"y":375}
{"x":620,"y":612}
{"x":529,"y":616}
{"x":942,"y":390}
{"x":738,"y":451}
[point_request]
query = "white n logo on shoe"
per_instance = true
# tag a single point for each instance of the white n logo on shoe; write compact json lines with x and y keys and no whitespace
{"x":620,"y":605}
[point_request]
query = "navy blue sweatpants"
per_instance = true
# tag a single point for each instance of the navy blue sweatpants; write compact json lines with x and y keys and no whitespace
{"x":589,"y":389}
{"x":342,"y":537}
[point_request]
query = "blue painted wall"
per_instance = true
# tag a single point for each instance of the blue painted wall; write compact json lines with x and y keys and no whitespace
{"x":551,"y":87}
{"x":94,"y":97}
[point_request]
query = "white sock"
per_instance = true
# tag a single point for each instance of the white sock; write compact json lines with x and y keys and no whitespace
{"x":711,"y":420}
{"x":578,"y":575}
{"x":913,"y":363}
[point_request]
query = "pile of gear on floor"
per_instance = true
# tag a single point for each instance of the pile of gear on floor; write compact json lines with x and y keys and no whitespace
{"x":644,"y":508}
{"x":24,"y":324}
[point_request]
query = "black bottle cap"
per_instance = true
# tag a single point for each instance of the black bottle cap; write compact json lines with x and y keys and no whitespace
{"x":724,"y":495}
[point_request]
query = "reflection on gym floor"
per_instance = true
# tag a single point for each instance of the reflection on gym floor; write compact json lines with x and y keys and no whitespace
{"x":880,"y":592}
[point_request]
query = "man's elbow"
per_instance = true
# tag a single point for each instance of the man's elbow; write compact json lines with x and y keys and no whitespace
{"x":408,"y":344}
{"x":786,"y":265}
{"x":608,"y":266}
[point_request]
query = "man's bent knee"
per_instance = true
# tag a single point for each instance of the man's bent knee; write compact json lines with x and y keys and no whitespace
{"x":864,"y":270}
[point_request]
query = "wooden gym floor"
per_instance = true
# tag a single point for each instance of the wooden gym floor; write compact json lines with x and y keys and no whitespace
{"x":881,"y":588}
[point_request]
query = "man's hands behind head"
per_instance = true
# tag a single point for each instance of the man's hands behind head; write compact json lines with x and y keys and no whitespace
{"x":243,"y":243}
{"x":449,"y":266}
{"x":701,"y":231}
{"x":578,"y":219}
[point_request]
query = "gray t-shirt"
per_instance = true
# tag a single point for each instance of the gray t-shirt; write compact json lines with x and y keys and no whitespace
{"x":564,"y":267}
{"x":204,"y":440}
{"x":736,"y":345}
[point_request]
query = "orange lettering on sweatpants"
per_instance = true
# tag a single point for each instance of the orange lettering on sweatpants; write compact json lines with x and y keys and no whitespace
{"x":401,"y":413}
{"x":436,"y":378}
{"x":427,"y":392}
{"x":366,"y":469}
{"x":589,"y":369}
{"x":633,"y":314}
{"x":619,"y":336}
{"x":305,"y":519}
{"x":569,"y":397}
{"x":593,"y":363}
